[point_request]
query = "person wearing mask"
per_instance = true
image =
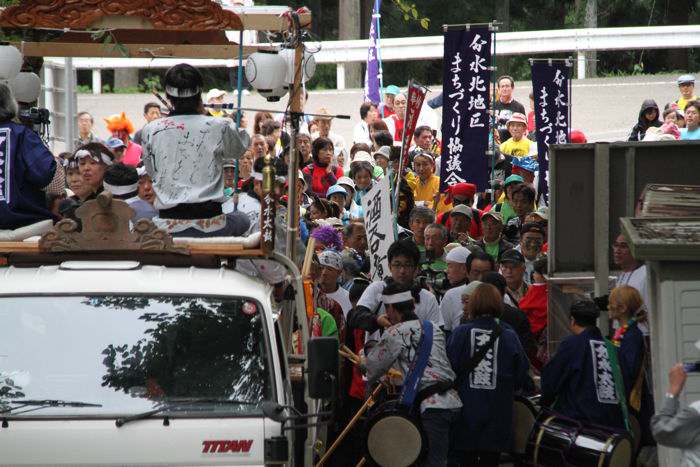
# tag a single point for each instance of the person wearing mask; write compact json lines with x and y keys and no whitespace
{"x":626,"y":310}
{"x":686,"y":86}
{"x":361,"y":132}
{"x":579,"y":377}
{"x":395,"y":121}
{"x":26,"y":168}
{"x":184,"y":155}
{"x":85,"y":126}
{"x":321,"y":174}
{"x":512,"y":267}
{"x":121,"y":127}
{"x":493,"y":242}
{"x":491,"y":366}
{"x":678,"y":428}
{"x":692,"y":121}
{"x":400,"y":348}
{"x":386,"y":108}
{"x":403,"y":259}
{"x":648,"y":117}
{"x":151,"y":111}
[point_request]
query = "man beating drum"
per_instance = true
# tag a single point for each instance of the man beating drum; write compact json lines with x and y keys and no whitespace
{"x":416,"y":348}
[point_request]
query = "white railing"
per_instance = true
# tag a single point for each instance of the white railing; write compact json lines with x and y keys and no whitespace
{"x":574,"y":41}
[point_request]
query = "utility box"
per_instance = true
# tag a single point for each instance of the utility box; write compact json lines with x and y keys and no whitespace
{"x":671,"y":249}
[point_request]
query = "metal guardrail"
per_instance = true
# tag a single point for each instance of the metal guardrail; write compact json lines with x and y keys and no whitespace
{"x":576,"y":41}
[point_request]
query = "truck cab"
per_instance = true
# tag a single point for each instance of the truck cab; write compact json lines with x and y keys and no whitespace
{"x":134,"y":357}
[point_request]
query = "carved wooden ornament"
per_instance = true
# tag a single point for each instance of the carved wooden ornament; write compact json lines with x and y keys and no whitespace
{"x":105,"y":227}
{"x":181,"y":15}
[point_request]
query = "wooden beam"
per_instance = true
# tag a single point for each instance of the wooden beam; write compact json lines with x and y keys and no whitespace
{"x":261,"y":21}
{"x":60,"y":49}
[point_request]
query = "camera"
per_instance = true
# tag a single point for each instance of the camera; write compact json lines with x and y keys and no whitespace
{"x":34,"y":116}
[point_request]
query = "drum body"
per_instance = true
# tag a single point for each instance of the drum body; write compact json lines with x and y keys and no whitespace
{"x":395,"y":437}
{"x":560,"y":441}
{"x":524,"y":418}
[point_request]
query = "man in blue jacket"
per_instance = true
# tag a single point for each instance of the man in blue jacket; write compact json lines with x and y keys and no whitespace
{"x":26,"y":167}
{"x":578,"y":381}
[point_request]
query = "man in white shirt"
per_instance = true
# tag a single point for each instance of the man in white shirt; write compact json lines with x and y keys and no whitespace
{"x":632,"y":272}
{"x":361,"y":132}
{"x":323,"y":122}
{"x":331,"y":268}
{"x":453,"y":303}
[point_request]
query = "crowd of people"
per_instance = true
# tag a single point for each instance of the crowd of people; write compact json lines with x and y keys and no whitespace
{"x":469,"y":267}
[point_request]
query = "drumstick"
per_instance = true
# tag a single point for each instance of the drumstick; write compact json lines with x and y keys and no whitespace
{"x":368,"y":403}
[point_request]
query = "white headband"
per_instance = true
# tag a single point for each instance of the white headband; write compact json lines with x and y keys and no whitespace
{"x":85,"y":153}
{"x":182,"y":92}
{"x":397,"y":298}
{"x":120,"y":190}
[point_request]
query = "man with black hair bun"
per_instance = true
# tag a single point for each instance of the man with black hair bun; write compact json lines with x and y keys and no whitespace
{"x":370,"y":314}
{"x":123,"y":182}
{"x":579,"y":377}
{"x":184,"y":154}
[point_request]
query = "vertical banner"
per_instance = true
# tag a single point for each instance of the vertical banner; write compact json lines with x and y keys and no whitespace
{"x":376,"y":206}
{"x":550,"y":85}
{"x":373,"y":72}
{"x":466,"y":103}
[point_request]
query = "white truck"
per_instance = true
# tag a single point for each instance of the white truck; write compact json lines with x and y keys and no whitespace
{"x":113,"y":354}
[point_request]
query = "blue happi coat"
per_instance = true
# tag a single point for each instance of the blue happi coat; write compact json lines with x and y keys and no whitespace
{"x":631,"y":357}
{"x":579,"y":378}
{"x":26,"y":166}
{"x":487,"y":392}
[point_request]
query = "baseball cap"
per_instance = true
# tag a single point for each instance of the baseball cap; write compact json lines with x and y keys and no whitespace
{"x":543,"y":212}
{"x":493,"y":214}
{"x":336,"y":189}
{"x":513,"y":179}
{"x":214,"y":93}
{"x":332,"y":259}
{"x":392,"y":89}
{"x":512,"y":256}
{"x":458,"y":255}
{"x":361,"y":156}
{"x":115,"y":143}
{"x":384,"y":151}
{"x":684,"y":79}
{"x":346,"y":181}
{"x":462,"y":209}
{"x":517,"y":117}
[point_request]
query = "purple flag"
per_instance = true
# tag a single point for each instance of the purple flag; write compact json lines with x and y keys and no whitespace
{"x":465,"y":111}
{"x":373,"y":72}
{"x":550,"y":85}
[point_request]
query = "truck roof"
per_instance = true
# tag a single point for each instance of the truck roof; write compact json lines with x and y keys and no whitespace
{"x":107,"y":277}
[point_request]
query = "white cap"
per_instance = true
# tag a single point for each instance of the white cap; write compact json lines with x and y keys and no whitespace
{"x":458,"y":255}
{"x":214,"y":93}
{"x":346,"y":181}
{"x":361,"y":156}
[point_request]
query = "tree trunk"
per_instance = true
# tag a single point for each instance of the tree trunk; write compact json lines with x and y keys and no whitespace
{"x":349,"y":28}
{"x":591,"y":22}
{"x":678,"y":13}
{"x":503,"y":17}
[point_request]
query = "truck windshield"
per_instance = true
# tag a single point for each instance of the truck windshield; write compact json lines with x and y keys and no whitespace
{"x":130,"y":354}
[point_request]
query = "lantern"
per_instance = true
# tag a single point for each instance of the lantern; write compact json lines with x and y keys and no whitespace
{"x":265,"y":71}
{"x":10,"y":62}
{"x":26,"y":87}
{"x":308,"y":65}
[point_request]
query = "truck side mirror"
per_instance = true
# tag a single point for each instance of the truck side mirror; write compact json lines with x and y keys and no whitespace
{"x":323,"y":367}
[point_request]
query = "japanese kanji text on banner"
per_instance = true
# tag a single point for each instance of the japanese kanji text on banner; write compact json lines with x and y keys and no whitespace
{"x":466,"y":103}
{"x":380,"y":231}
{"x":550,"y":84}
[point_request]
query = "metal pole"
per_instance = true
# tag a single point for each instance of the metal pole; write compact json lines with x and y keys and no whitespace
{"x":69,"y":95}
{"x":493,"y":102}
{"x":296,"y":110}
{"x":239,"y":88}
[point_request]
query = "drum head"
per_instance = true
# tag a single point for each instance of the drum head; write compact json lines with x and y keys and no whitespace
{"x":621,"y":455}
{"x":394,"y":441}
{"x":524,"y":417}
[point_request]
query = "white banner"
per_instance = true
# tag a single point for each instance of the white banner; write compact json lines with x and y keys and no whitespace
{"x":376,"y":206}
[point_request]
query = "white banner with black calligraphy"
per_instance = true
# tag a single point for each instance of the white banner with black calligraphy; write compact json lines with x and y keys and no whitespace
{"x":376,"y":205}
{"x":466,"y":103}
{"x":550,"y":84}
